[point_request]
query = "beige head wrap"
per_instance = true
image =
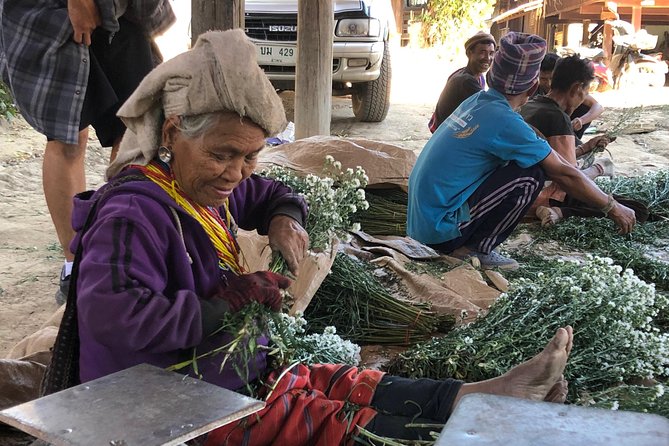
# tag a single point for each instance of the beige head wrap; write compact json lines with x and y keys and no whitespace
{"x":220,"y":73}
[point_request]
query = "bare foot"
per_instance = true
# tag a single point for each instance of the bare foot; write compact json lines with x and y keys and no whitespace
{"x":533,"y":379}
{"x":558,"y":393}
{"x":549,"y":215}
{"x":538,"y":379}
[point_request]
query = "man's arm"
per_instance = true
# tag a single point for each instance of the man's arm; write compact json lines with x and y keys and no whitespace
{"x":594,"y":112}
{"x":580,"y":187}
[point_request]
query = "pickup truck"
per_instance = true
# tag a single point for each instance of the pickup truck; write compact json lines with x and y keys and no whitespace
{"x":361,"y":53}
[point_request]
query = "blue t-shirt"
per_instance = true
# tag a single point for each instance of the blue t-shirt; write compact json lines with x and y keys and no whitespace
{"x":482,"y":134}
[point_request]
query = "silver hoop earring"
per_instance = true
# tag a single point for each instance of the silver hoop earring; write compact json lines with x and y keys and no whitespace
{"x":165,"y":154}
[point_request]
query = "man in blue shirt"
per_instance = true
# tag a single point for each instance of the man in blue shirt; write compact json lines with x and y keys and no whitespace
{"x":484,"y":166}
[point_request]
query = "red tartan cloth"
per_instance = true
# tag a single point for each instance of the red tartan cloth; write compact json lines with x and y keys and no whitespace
{"x":309,"y":406}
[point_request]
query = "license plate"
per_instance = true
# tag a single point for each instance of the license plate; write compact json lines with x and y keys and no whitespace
{"x":276,"y":54}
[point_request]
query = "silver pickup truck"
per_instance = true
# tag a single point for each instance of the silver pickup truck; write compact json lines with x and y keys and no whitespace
{"x":361,"y":54}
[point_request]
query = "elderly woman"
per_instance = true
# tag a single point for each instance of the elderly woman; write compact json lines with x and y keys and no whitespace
{"x":158,"y":265}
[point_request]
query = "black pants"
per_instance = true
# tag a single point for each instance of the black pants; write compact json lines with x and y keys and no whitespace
{"x":496,"y":207}
{"x":402,"y":401}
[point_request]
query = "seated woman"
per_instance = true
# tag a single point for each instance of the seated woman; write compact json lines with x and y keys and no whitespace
{"x":550,"y":115}
{"x":158,"y":265}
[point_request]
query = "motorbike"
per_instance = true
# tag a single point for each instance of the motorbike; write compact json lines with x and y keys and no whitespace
{"x":629,"y":66}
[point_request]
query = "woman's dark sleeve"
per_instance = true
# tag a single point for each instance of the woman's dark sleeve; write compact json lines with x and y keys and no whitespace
{"x":257,"y":200}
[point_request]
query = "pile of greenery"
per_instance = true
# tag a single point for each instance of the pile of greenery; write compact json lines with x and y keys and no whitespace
{"x":616,"y":339}
{"x":598,"y":236}
{"x":651,"y":188}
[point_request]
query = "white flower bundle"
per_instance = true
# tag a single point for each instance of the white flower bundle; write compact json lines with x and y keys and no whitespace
{"x":333,"y":198}
{"x":611,"y":310}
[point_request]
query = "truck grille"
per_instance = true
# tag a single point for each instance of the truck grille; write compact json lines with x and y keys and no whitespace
{"x":276,"y":28}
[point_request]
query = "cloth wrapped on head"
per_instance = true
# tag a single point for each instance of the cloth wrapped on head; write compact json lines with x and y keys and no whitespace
{"x":479,"y":37}
{"x":515,"y":67}
{"x":219,"y":73}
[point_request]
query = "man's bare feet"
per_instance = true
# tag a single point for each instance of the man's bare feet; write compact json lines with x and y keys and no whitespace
{"x":549,"y":215}
{"x":539,"y":378}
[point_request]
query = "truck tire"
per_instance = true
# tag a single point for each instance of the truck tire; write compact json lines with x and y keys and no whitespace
{"x":371,"y":100}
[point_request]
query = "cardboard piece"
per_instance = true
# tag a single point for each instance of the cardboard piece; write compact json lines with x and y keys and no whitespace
{"x":313,"y":268}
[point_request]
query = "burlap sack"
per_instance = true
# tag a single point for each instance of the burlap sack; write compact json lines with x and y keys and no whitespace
{"x":385,"y":164}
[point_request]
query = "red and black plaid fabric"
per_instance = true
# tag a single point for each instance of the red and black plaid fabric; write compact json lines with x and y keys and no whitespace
{"x":319,"y":405}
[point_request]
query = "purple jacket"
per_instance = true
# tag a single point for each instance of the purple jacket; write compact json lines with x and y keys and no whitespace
{"x":139,"y":296}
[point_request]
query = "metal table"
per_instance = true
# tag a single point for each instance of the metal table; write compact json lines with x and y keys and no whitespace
{"x":143,"y":406}
{"x":490,"y":420}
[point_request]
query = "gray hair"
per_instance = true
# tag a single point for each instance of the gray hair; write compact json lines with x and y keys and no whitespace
{"x":194,"y":126}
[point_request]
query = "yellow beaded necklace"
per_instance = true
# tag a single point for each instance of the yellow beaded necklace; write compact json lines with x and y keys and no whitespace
{"x":209,"y":218}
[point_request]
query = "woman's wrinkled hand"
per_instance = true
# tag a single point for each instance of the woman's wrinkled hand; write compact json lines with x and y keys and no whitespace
{"x":289,"y":238}
{"x":262,"y":286}
{"x":85,"y":17}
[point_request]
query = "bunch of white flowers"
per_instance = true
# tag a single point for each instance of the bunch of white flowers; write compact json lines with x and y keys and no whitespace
{"x":333,"y":198}
{"x":611,"y":311}
{"x":288,"y":332}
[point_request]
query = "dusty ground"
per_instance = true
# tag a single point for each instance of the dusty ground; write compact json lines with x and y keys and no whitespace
{"x":31,"y":256}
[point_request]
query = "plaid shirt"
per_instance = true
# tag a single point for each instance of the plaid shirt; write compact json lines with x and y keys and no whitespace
{"x":46,"y":70}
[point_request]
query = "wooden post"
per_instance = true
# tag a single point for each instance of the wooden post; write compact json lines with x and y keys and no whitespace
{"x":636,"y":18}
{"x":313,"y":70}
{"x":585,"y":34}
{"x":213,"y":14}
{"x":607,"y":43}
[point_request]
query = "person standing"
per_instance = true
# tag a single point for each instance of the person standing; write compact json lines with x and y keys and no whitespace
{"x":70,"y":65}
{"x":466,"y":81}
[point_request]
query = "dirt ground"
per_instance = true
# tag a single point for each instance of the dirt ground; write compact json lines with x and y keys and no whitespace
{"x":31,"y":256}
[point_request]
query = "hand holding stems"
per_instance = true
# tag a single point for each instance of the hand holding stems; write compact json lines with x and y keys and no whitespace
{"x":288,"y":237}
{"x":263,"y":287}
{"x":623,"y":217}
{"x":85,"y":17}
{"x":600,"y":142}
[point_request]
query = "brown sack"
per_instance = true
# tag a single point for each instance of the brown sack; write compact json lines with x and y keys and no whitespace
{"x":458,"y":290}
{"x":40,"y":341}
{"x":384,"y":163}
{"x":20,"y":379}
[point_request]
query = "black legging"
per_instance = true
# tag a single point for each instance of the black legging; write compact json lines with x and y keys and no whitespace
{"x":401,"y":401}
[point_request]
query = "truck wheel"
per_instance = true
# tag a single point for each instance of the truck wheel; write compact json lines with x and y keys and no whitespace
{"x":371,"y":100}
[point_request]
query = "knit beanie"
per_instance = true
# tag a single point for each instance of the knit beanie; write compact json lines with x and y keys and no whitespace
{"x":479,"y":37}
{"x":515,"y":67}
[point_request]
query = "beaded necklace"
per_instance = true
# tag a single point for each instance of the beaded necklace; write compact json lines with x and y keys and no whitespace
{"x":209,"y":218}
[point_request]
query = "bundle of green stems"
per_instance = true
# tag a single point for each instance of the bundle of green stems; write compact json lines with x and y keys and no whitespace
{"x":384,"y":217}
{"x":364,"y":311}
